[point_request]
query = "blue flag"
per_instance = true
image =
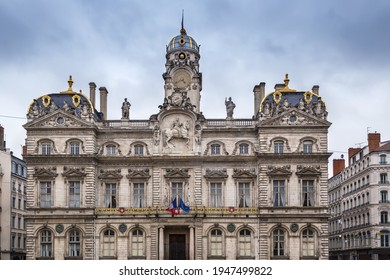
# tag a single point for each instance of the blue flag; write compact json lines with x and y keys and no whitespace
{"x":183,"y":206}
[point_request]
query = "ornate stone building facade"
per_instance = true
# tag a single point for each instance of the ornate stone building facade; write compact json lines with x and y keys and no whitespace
{"x":178,"y":185}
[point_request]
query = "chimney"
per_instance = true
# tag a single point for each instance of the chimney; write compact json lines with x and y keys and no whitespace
{"x":279,"y":87}
{"x":316,"y":89}
{"x":352,"y":152}
{"x":103,"y":102}
{"x":374,"y":140}
{"x":338,"y":166}
{"x":2,"y":142}
{"x":92,"y":90}
{"x":259,"y":94}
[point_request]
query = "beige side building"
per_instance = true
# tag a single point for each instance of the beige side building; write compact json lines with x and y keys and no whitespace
{"x":253,"y":188}
{"x":359,"y":227}
{"x":13,"y":177}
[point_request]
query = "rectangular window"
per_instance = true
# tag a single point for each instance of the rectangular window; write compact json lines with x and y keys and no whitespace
{"x":215,"y":149}
{"x":383,"y":159}
{"x":307,"y":147}
{"x":111,"y":150}
{"x":244,"y":195}
{"x":278,"y":147}
{"x":74,"y":194}
{"x":110,"y":195}
{"x":45,"y":194}
{"x":138,"y":150}
{"x":13,"y":241}
{"x":244,"y":149}
{"x":13,"y":202}
{"x":139,"y":195}
{"x":46,"y":149}
{"x":384,"y":198}
{"x":74,"y":148}
{"x":384,"y":217}
{"x":279,"y":193}
{"x":215,"y":194}
{"x":19,"y":203}
{"x":177,"y":190}
{"x":383,"y":178}
{"x":308,"y":192}
{"x":13,"y":222}
{"x":385,"y":239}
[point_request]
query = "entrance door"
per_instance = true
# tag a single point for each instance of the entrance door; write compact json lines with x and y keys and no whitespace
{"x":177,"y":246}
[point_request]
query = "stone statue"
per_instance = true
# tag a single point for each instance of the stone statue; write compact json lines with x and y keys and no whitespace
{"x":34,"y":110}
{"x":125,"y":109}
{"x":229,"y":107}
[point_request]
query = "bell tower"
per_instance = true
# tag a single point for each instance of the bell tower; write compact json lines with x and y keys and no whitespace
{"x":182,"y":68}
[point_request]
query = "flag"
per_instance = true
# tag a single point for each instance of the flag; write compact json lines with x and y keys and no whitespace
{"x":183,"y":206}
{"x":173,"y":207}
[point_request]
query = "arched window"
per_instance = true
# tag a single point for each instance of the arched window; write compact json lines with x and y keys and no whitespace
{"x":46,"y":148}
{"x":244,"y":149}
{"x":111,"y":150}
{"x":244,"y":243}
{"x":74,"y":242}
{"x":137,"y":244}
{"x":279,"y":243}
{"x":216,"y":243}
{"x":109,"y":243}
{"x":307,"y":146}
{"x":46,"y":244}
{"x":308,"y":243}
{"x":74,"y":148}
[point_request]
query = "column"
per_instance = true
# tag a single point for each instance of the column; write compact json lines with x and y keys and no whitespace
{"x":161,"y":243}
{"x":192,"y":243}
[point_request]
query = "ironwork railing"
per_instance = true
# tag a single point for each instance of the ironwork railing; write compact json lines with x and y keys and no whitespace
{"x":200,"y":210}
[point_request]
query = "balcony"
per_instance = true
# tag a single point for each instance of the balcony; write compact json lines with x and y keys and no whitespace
{"x":383,"y":182}
{"x":197,"y":210}
{"x":384,"y":201}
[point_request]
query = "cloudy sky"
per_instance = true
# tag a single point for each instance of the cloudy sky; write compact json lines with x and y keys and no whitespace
{"x":343,"y":46}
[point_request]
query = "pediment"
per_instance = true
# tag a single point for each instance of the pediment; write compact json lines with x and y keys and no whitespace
{"x":244,"y":173}
{"x":279,"y":171}
{"x":110,"y":174}
{"x":308,"y":171}
{"x":294,"y":117}
{"x":173,"y":173}
{"x":74,"y":173}
{"x":45,"y":172}
{"x":138,"y":174}
{"x":58,"y":119}
{"x":216,"y":174}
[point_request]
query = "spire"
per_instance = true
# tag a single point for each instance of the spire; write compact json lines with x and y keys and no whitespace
{"x":182,"y":30}
{"x":286,"y":88}
{"x":70,"y":84}
{"x":286,"y":81}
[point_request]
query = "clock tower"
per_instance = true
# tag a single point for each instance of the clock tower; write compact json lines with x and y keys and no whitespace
{"x":182,"y":68}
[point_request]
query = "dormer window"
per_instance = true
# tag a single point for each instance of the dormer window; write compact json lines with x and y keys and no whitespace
{"x":278,"y":147}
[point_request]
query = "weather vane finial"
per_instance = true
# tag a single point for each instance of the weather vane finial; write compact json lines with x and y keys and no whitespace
{"x":182,"y":30}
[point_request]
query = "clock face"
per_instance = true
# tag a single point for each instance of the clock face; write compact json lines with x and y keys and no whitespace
{"x":181,"y":79}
